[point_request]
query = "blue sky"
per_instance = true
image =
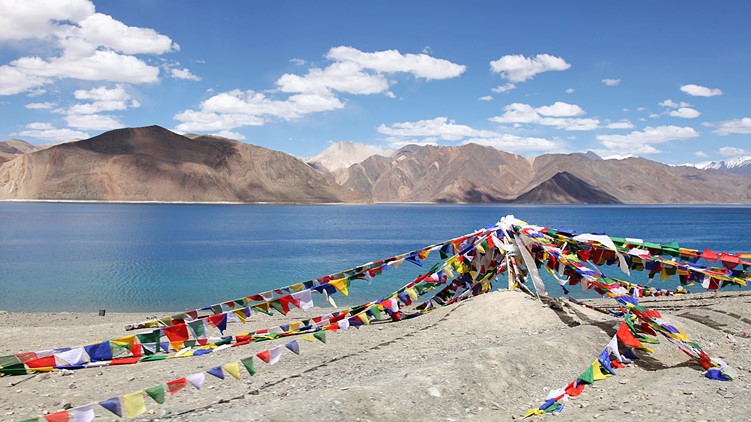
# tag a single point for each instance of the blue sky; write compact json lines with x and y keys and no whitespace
{"x":664,"y":80}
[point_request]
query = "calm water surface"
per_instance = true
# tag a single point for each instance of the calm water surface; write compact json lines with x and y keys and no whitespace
{"x":149,"y":257}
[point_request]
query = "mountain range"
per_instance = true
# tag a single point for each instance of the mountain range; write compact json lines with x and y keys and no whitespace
{"x":155,"y":164}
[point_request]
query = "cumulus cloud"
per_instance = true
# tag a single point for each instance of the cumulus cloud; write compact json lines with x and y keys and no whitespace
{"x":672,"y":104}
{"x":570,"y":91}
{"x":486,"y":98}
{"x":39,"y":106}
{"x":352,"y":72}
{"x":622,"y":124}
{"x":87,"y":45}
{"x":500,"y":89}
{"x":100,"y":99}
{"x":346,"y":77}
{"x":685,"y":113}
{"x":701,"y":154}
{"x":518,"y":68}
{"x":559,"y":115}
{"x":236,"y":108}
{"x":742,"y":125}
{"x":93,"y":122}
{"x":700,"y":91}
{"x":611,"y":82}
{"x":642,"y":142}
{"x":392,"y":61}
{"x":733,"y":152}
{"x":47,"y":132}
{"x":431,"y":132}
{"x":184,"y":74}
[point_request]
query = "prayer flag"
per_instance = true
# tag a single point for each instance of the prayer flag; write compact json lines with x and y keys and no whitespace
{"x":233,"y":368}
{"x":134,"y":404}
{"x":114,"y":405}
{"x":248,"y":364}
{"x":157,"y":393}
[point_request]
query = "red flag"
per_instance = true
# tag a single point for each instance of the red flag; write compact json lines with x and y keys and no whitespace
{"x":61,"y":416}
{"x":264,"y":356}
{"x":176,"y":333}
{"x":625,"y":336}
{"x":45,"y":362}
{"x":574,"y":389}
{"x":176,"y":385}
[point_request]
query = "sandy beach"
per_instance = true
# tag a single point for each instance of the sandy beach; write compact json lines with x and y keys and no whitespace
{"x":489,"y":358}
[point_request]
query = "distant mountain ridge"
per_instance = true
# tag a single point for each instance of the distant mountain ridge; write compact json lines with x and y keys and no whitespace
{"x":343,"y":154}
{"x":474,"y":173}
{"x":740,"y":166}
{"x":154,"y":164}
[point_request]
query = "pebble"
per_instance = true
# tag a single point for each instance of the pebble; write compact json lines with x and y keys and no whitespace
{"x":434,"y":392}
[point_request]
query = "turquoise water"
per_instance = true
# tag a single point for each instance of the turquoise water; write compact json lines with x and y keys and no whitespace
{"x":150,"y":257}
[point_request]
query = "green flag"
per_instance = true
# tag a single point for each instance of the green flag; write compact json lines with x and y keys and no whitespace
{"x":156,"y":393}
{"x":248,"y":364}
{"x":320,"y":335}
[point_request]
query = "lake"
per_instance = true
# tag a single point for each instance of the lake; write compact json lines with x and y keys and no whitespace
{"x":170,"y":257}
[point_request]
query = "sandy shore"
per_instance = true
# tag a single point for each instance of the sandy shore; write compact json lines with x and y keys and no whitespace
{"x":489,"y":358}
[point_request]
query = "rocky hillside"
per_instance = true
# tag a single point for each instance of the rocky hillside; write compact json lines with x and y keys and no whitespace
{"x":154,"y":164}
{"x":473,"y":173}
{"x":12,"y":148}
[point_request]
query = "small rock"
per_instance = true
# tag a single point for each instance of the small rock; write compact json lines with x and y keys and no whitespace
{"x":72,"y":386}
{"x":434,"y":391}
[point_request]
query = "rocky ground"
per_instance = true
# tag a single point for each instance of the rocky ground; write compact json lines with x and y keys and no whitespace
{"x":489,"y":358}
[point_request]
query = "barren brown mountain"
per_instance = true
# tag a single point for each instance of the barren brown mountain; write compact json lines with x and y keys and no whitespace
{"x":154,"y":164}
{"x":474,"y":173}
{"x":12,"y":148}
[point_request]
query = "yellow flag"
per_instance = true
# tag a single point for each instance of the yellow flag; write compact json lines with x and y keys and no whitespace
{"x":232,"y":369}
{"x":598,"y":375}
{"x":341,"y":285}
{"x":294,"y":326}
{"x":297,"y":287}
{"x":124,"y":341}
{"x":240,"y":314}
{"x":412,"y":293}
{"x":308,"y":337}
{"x":134,"y":404}
{"x":364,"y":318}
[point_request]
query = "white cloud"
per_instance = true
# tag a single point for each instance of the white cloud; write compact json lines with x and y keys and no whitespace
{"x":392,"y":61}
{"x":81,"y":44}
{"x":622,"y":124}
{"x":486,"y":98}
{"x":98,"y":122}
{"x":14,"y":81}
{"x":672,"y":104}
{"x":233,"y":109}
{"x":560,"y":109}
{"x":99,"y":66}
{"x":231,"y":135}
{"x":500,"y":89}
{"x":700,"y":91}
{"x":298,"y":62}
{"x":105,"y":31}
{"x":570,"y":91}
{"x":22,"y":19}
{"x":353,"y":72}
{"x":727,"y":127}
{"x":733,"y":152}
{"x":642,"y":142}
{"x":611,"y":82}
{"x":685,"y":113}
{"x":518,"y":68}
{"x":558,"y":115}
{"x":102,"y":99}
{"x":346,"y":77}
{"x":654,"y":116}
{"x":47,"y":132}
{"x":39,"y":106}
{"x":430,"y":132}
{"x":701,"y":154}
{"x":183,"y":74}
